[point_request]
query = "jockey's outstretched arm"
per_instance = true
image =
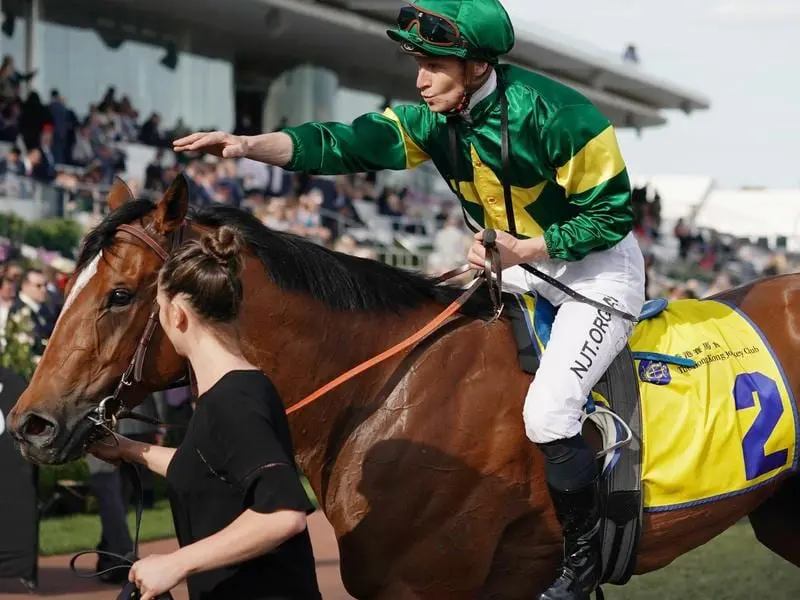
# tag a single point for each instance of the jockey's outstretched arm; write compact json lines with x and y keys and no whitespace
{"x":372,"y":142}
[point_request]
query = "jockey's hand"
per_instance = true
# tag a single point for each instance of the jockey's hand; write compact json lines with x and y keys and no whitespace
{"x":512,"y":251}
{"x":218,"y":143}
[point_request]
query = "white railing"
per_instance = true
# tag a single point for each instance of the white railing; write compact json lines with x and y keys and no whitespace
{"x":412,"y":261}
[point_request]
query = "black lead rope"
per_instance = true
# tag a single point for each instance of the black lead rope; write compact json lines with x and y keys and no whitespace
{"x":509,"y":203}
{"x":129,"y":590}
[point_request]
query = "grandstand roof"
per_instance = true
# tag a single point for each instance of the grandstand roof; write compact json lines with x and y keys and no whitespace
{"x":752,"y":213}
{"x":348,"y":37}
{"x":543,"y":51}
{"x":681,"y":195}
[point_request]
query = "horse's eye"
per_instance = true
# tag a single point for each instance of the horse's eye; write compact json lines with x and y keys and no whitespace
{"x":120,"y":297}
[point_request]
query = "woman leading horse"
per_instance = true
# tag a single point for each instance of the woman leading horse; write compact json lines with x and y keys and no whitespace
{"x":421,"y":463}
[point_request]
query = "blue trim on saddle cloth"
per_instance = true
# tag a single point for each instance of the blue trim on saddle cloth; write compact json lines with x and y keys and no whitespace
{"x":543,"y":319}
{"x":720,"y":497}
{"x":665,"y":358}
{"x":544,"y":313}
{"x":527,"y":316}
{"x":771,"y":481}
{"x":653,"y":308}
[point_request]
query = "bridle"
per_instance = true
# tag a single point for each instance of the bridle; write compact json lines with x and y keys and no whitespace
{"x":112,"y":408}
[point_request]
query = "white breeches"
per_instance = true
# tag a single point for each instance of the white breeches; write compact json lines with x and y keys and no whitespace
{"x":584,"y":340}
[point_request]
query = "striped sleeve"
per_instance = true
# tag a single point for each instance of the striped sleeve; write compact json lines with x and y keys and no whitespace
{"x":415,"y":155}
{"x":582,"y":149}
{"x":372,"y":142}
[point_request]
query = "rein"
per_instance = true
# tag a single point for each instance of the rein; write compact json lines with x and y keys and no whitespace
{"x":491,"y":275}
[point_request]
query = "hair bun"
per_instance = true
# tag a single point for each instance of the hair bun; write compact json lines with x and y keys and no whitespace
{"x":223,"y":245}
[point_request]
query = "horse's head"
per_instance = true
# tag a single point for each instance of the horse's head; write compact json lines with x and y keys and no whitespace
{"x":109,"y":301}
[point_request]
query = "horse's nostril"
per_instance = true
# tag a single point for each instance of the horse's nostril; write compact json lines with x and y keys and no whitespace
{"x":37,"y":427}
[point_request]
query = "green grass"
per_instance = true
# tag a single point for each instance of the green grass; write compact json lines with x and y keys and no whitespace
{"x":63,"y":535}
{"x":733,"y":566}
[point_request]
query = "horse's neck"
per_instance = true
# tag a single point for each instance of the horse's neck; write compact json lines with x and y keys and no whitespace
{"x":302,"y":346}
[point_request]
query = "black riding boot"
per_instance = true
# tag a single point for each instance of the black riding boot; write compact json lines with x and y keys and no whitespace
{"x":573,"y":483}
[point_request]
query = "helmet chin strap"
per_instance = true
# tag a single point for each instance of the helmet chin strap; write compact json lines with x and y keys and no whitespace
{"x":467,"y":95}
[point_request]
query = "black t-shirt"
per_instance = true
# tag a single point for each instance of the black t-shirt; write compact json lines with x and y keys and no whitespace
{"x":237,"y":454}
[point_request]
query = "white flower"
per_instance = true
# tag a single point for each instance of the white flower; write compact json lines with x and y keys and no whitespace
{"x":24,"y":338}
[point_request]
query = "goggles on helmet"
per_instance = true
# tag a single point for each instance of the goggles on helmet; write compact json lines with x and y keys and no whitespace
{"x":432,"y":28}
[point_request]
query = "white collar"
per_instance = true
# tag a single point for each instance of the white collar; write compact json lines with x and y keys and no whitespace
{"x":483,"y":92}
{"x":35,"y":306}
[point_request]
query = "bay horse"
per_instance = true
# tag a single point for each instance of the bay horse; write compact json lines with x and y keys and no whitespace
{"x":421,"y":464}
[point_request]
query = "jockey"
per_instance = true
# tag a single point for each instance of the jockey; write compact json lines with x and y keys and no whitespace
{"x":536,"y":161}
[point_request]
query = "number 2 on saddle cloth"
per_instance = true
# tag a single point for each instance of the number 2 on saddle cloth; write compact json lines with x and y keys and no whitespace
{"x":756,"y":461}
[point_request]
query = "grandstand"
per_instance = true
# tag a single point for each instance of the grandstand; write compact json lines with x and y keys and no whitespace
{"x":160,"y":68}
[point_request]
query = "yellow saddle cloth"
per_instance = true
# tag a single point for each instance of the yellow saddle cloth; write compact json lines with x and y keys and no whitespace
{"x":720,"y":428}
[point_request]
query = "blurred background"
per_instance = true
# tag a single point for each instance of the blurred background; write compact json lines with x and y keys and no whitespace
{"x":703,"y":96}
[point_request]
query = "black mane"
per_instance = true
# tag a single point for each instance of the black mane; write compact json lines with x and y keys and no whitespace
{"x":339,"y":281}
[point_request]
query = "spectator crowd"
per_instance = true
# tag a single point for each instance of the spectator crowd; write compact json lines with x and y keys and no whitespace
{"x":50,"y":144}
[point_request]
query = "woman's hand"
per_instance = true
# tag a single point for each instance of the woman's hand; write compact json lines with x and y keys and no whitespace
{"x":512,"y":251}
{"x":111,"y":449}
{"x":157,"y":574}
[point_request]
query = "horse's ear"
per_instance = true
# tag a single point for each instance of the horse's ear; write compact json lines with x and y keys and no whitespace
{"x":119,"y":194}
{"x":174,"y":204}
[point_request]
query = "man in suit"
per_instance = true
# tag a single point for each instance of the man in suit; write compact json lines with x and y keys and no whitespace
{"x":45,"y":170}
{"x":54,"y":299}
{"x":61,"y":127}
{"x":32,"y":300}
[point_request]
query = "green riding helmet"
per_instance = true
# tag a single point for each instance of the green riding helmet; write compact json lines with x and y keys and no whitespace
{"x":470,"y":29}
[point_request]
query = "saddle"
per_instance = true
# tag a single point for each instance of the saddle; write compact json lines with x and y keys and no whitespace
{"x":614,"y":409}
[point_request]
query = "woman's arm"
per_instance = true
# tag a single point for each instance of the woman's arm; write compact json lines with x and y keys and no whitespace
{"x":113,"y":450}
{"x":250,"y":535}
{"x":155,"y":458}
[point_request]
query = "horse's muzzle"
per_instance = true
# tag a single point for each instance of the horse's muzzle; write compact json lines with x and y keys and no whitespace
{"x":35,"y":430}
{"x":45,"y":439}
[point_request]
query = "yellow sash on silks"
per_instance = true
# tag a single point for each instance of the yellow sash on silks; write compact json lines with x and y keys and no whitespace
{"x":720,"y":428}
